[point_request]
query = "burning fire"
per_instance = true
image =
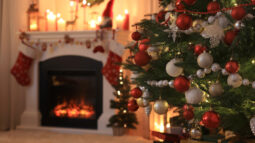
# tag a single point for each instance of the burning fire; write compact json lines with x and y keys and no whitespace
{"x":73,"y":110}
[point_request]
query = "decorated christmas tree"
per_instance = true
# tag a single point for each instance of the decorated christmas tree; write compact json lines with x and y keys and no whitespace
{"x":199,"y":55}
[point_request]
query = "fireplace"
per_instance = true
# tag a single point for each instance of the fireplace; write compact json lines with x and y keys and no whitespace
{"x":70,"y":92}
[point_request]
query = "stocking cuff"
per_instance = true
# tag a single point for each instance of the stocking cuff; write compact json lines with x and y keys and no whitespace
{"x":116,"y":48}
{"x":27,"y":51}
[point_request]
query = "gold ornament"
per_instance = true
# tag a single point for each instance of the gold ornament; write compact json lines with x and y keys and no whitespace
{"x":216,"y":89}
{"x":142,"y":102}
{"x":161,"y":107}
{"x":195,"y":133}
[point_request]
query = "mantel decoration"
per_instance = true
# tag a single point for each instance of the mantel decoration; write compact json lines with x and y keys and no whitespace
{"x":33,"y":17}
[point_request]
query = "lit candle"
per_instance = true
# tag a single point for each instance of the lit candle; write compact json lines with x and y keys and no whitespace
{"x":93,"y":24}
{"x":51,"y":21}
{"x":61,"y":24}
{"x":33,"y":26}
{"x":126,"y":21}
{"x":119,"y":21}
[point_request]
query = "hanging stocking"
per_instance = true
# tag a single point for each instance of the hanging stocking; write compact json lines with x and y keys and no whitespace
{"x":23,"y":63}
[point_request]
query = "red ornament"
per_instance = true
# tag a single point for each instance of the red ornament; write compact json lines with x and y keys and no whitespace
{"x":211,"y":120}
{"x":238,"y":13}
{"x":179,"y":5}
{"x":132,"y":105}
{"x":136,"y":92}
{"x":213,"y":6}
{"x":181,"y":84}
{"x":184,"y":21}
{"x":136,"y":36}
{"x":199,"y":49}
{"x":161,"y":16}
{"x":253,"y":1}
{"x":232,"y":67}
{"x":188,"y":114}
{"x":230,"y":36}
{"x":143,"y":47}
{"x":187,"y":107}
{"x":145,"y":41}
{"x":142,"y":58}
{"x":190,"y":2}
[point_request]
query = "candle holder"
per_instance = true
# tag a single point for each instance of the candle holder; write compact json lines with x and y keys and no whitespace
{"x":33,"y":18}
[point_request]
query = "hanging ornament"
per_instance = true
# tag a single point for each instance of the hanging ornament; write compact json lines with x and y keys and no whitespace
{"x":205,"y":60}
{"x":132,"y":105}
{"x":136,"y":92}
{"x":146,"y":94}
{"x":161,"y":107}
{"x":161,"y":16}
{"x":142,"y":58}
{"x":147,"y":110}
{"x":246,"y":82}
{"x":195,"y":133}
{"x":188,"y":114}
{"x":190,"y":2}
{"x":232,"y":66}
{"x":184,"y":21}
{"x":211,"y":120}
{"x":142,"y":102}
{"x":194,"y":96}
{"x":213,"y":6}
{"x":188,"y":107}
{"x":173,"y":70}
{"x":200,"y":73}
{"x":235,"y":80}
{"x":253,"y":1}
{"x":215,"y":67}
{"x":199,"y":49}
{"x":216,"y":89}
{"x":136,"y":36}
{"x":252,"y":125}
{"x":179,"y":5}
{"x":230,"y":36}
{"x":181,"y":84}
{"x":238,"y":13}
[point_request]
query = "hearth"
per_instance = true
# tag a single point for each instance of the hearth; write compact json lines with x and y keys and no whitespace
{"x":70,"y":92}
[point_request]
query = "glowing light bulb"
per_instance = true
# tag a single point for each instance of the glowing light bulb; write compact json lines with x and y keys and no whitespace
{"x":118,"y":92}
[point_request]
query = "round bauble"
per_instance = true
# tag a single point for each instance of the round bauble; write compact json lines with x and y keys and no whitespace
{"x":147,"y":110}
{"x":179,"y":5}
{"x":136,"y":92}
{"x":211,"y":120}
{"x":142,"y":58}
{"x":232,"y":66}
{"x":187,"y":107}
{"x":230,"y":36}
{"x":200,"y":73}
{"x":238,"y":25}
{"x":246,"y":82}
{"x":173,"y":70}
{"x":181,"y":84}
{"x":161,"y":107}
{"x":224,"y":72}
{"x":143,"y":47}
{"x":235,"y":80}
{"x":211,"y":19}
{"x":216,"y":89}
{"x":205,"y":60}
{"x":184,"y":21}
{"x":195,"y":133}
{"x":190,"y":2}
{"x":215,"y":67}
{"x":136,"y":36}
{"x":253,"y":1}
{"x":252,"y":125}
{"x":223,"y":21}
{"x":238,"y":13}
{"x":194,"y":96}
{"x":142,"y":102}
{"x":188,"y":114}
{"x":161,"y":16}
{"x":213,"y":6}
{"x":199,"y":49}
{"x":132,"y":105}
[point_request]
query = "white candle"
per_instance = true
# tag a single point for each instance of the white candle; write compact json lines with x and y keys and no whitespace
{"x":119,"y":21}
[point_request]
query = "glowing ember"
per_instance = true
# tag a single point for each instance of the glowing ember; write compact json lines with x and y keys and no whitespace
{"x":73,"y":110}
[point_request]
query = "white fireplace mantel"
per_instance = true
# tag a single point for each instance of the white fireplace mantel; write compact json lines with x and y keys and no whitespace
{"x":31,"y":117}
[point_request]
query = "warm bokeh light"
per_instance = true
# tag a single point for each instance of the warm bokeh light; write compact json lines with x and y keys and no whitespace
{"x":58,"y":15}
{"x":33,"y":26}
{"x":51,"y":16}
{"x":71,"y":3}
{"x":126,"y":11}
{"x":99,"y":19}
{"x":119,"y":17}
{"x":84,"y":2}
{"x":93,"y":24}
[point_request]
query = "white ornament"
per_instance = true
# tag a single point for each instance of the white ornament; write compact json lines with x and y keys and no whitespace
{"x":223,"y":21}
{"x":246,"y":82}
{"x":239,"y":25}
{"x":165,"y":83}
{"x":200,"y":73}
{"x":211,"y":19}
{"x":171,"y":83}
{"x":207,"y":70}
{"x":205,"y":60}
{"x":216,"y":67}
{"x":235,"y":80}
{"x":253,"y":84}
{"x":252,"y":125}
{"x":172,"y":69}
{"x":224,"y":72}
{"x":194,"y":95}
{"x":161,"y":107}
{"x":216,"y":89}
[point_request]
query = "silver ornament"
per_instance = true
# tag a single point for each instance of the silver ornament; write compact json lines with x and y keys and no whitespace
{"x":205,"y":60}
{"x":165,"y":83}
{"x":215,"y":67}
{"x":252,"y":125}
{"x":223,"y":21}
{"x":235,"y":80}
{"x":211,"y":19}
{"x":216,"y":89}
{"x":196,"y":133}
{"x":200,"y":73}
{"x":161,"y":107}
{"x":246,"y":82}
{"x":253,"y":84}
{"x":239,"y":25}
{"x":147,"y":110}
{"x":193,"y":95}
{"x":207,"y":70}
{"x":171,"y":83}
{"x":224,"y":72}
{"x":173,"y":70}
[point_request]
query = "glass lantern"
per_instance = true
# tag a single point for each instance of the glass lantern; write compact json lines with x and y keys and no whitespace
{"x":33,"y":18}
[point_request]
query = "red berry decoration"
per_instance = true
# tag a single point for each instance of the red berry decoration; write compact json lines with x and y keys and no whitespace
{"x":181,"y":84}
{"x":161,"y":16}
{"x":136,"y":36}
{"x":184,"y":21}
{"x":230,"y":36}
{"x":211,"y":120}
{"x":190,"y":2}
{"x":232,"y":67}
{"x":143,"y":47}
{"x":199,"y":49}
{"x":213,"y":7}
{"x":132,"y":105}
{"x":142,"y":58}
{"x":238,"y":13}
{"x":179,"y":5}
{"x":188,"y":114}
{"x":136,"y":92}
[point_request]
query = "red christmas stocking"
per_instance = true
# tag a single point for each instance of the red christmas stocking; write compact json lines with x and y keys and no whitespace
{"x":23,"y":63}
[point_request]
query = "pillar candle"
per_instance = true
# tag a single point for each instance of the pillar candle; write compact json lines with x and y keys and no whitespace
{"x":126,"y":21}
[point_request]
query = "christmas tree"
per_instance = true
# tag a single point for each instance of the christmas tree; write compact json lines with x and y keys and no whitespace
{"x":123,"y":118}
{"x":199,"y":55}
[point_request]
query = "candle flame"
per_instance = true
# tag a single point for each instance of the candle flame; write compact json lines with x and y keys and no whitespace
{"x":92,"y":24}
{"x":126,"y":11}
{"x":58,"y":15}
{"x":71,"y":3}
{"x":51,"y":16}
{"x":61,"y":20}
{"x":119,"y":18}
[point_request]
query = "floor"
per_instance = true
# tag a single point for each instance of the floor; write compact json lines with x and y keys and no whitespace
{"x":26,"y":136}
